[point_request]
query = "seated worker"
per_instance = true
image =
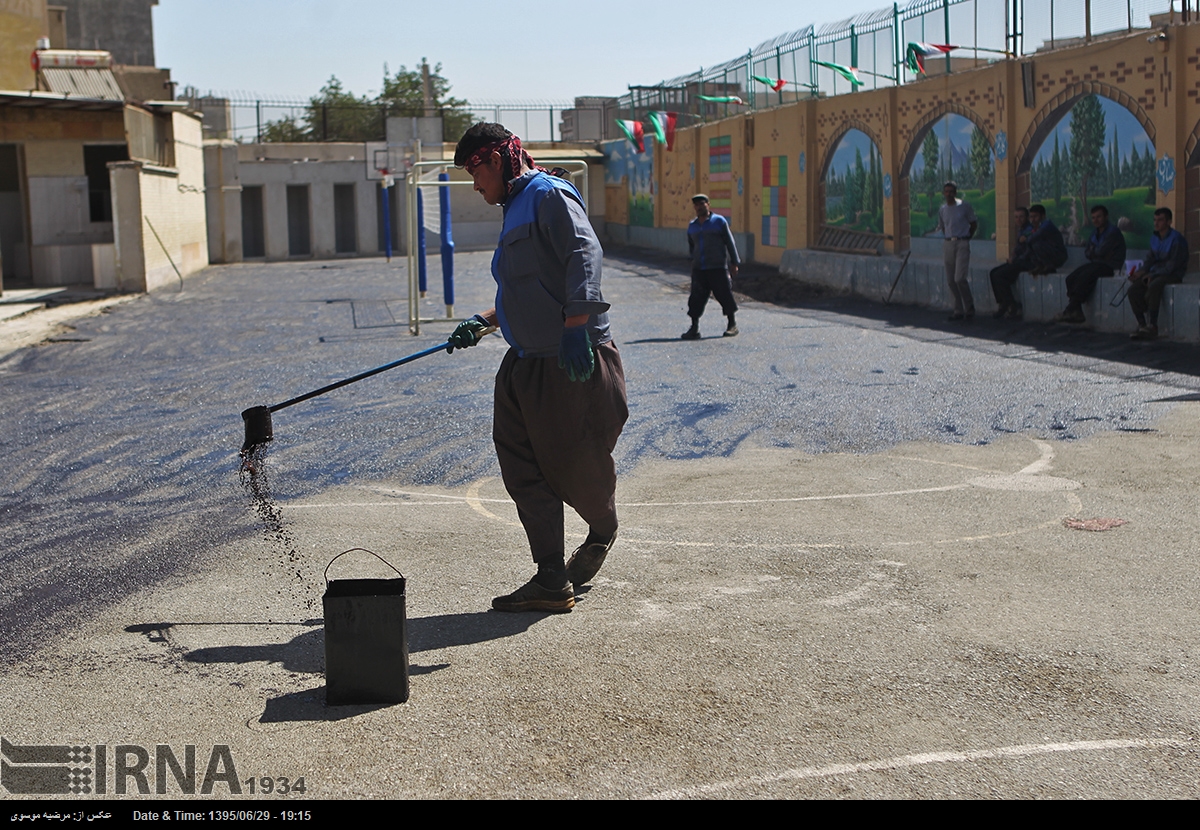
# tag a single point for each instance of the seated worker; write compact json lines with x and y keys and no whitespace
{"x":1166,"y":264}
{"x":1105,"y":252}
{"x":1047,"y":251}
{"x":1003,"y":276}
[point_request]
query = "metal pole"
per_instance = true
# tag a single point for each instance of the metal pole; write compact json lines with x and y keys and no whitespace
{"x":946,"y":15}
{"x":258,"y":116}
{"x":422,"y":281}
{"x":1087,"y":21}
{"x":447,"y":247}
{"x":387,"y":219}
{"x":897,"y":42}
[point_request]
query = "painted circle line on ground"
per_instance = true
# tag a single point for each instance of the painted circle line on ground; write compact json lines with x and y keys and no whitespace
{"x":906,"y":761}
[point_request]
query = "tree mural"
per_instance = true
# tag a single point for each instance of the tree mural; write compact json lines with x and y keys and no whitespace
{"x":956,"y":150}
{"x":1097,"y":153}
{"x":854,"y":184}
{"x":1087,"y":142}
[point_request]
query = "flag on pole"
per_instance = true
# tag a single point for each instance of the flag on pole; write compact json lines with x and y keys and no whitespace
{"x":850,"y":73}
{"x":775,"y":84}
{"x":663,"y":124}
{"x":633,"y":131}
{"x":917,"y":53}
{"x":721,"y":99}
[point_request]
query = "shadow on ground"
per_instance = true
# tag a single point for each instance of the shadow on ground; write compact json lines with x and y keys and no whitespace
{"x":764,"y":283}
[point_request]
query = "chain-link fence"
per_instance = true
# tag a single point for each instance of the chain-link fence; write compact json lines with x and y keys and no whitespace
{"x":252,"y":119}
{"x":870,"y":51}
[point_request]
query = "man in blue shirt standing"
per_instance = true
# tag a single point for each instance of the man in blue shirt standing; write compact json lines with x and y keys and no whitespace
{"x":1166,"y":264}
{"x":711,"y":246}
{"x":560,"y":391}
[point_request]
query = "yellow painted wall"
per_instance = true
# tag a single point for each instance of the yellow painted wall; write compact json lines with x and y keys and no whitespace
{"x":1158,"y":82}
{"x":22,"y":22}
{"x":675,"y":181}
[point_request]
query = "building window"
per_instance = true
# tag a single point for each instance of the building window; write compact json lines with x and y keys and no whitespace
{"x":95,"y":167}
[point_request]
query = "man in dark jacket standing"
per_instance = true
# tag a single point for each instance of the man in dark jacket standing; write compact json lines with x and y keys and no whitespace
{"x":560,"y":391}
{"x":710,"y":242}
{"x":1166,"y":265}
{"x":1105,"y":252}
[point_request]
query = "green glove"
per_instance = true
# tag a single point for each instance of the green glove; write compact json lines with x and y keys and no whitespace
{"x":575,"y":353}
{"x":467,"y":334}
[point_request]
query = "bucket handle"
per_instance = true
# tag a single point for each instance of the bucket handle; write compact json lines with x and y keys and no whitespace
{"x":364,"y":550}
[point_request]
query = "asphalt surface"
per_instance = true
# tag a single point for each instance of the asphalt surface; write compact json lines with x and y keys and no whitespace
{"x":843,"y":569}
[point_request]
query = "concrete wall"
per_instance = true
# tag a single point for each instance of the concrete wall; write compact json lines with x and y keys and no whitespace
{"x":321,"y":166}
{"x":276,"y":166}
{"x":123,"y":27}
{"x":59,"y":246}
{"x":22,"y":22}
{"x":159,"y":214}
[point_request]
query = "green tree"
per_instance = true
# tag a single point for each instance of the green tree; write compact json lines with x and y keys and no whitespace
{"x":930,"y":150}
{"x":404,"y":94}
{"x":981,"y":158}
{"x":337,"y":114}
{"x":1056,"y":171}
{"x":1088,"y":131}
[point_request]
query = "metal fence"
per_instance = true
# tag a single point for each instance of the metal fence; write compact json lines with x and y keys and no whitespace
{"x":875,"y":45}
{"x":248,"y":118}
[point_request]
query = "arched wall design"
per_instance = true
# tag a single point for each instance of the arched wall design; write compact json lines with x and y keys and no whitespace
{"x":919,"y":132}
{"x":1053,"y":111}
{"x":848,"y":126}
{"x":1191,"y":211}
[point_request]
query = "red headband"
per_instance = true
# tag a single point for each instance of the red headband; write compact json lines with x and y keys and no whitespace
{"x":510,"y":147}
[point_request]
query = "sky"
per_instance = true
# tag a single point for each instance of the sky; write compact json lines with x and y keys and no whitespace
{"x":539,"y":50}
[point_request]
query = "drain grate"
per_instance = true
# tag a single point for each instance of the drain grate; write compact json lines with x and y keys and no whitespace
{"x":372,"y":314}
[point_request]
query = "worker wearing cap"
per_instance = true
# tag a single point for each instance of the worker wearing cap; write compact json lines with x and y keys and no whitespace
{"x":711,"y":247}
{"x":560,"y":391}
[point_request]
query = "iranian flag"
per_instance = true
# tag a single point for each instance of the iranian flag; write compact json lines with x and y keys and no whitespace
{"x":775,"y":84}
{"x":633,"y":131}
{"x":917,"y":53}
{"x":663,"y":124}
{"x":721,"y":99}
{"x":850,"y":73}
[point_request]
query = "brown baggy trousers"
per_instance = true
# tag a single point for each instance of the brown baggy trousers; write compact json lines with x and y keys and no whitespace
{"x":554,"y":438}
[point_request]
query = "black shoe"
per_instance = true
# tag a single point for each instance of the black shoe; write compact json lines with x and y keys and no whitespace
{"x":731,"y":331}
{"x":1014,"y":312}
{"x":533,"y":597}
{"x":691,"y":334}
{"x":1000,"y":313}
{"x":1145,"y":333}
{"x":1070,"y":315}
{"x":585,"y":562}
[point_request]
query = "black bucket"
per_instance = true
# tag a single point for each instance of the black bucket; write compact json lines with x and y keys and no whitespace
{"x":366,"y":639}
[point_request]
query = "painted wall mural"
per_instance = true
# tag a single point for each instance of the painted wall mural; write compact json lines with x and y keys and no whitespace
{"x":774,"y":201}
{"x":622,"y":163}
{"x":955,"y":150}
{"x":720,"y":170}
{"x":854,"y":184}
{"x":1098,"y":153}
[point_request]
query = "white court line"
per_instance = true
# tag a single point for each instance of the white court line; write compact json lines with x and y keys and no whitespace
{"x":474,"y":500}
{"x":906,"y":761}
